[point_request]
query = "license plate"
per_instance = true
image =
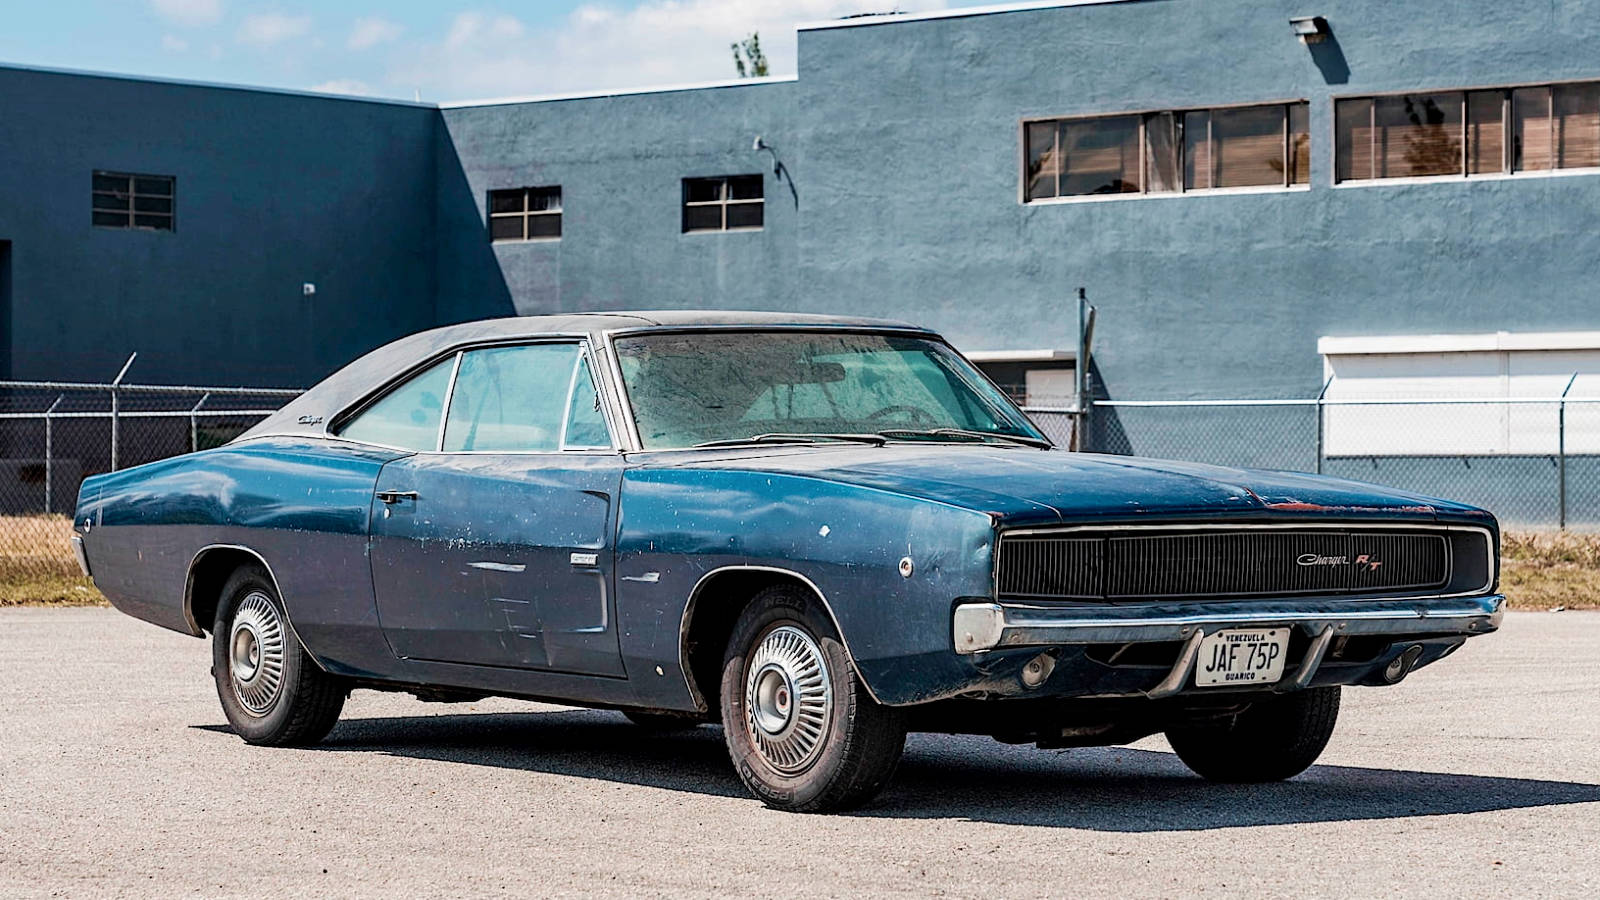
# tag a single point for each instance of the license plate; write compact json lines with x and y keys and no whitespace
{"x":1241,"y":656}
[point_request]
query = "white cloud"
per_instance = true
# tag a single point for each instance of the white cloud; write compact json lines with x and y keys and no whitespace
{"x":599,"y":47}
{"x":173,"y":44}
{"x":272,"y":28}
{"x":370,"y":32}
{"x":189,"y":12}
{"x":343,"y":86}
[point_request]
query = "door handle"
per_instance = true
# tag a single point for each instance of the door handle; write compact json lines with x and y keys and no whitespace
{"x":390,"y":498}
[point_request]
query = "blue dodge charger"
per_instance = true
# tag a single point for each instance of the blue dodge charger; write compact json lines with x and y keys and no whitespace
{"x":820,"y":532}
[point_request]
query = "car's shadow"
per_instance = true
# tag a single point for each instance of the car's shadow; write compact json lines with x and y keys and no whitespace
{"x":1106,"y":789}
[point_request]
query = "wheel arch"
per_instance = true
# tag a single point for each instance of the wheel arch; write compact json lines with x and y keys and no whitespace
{"x":208,"y":573}
{"x":714,"y":606}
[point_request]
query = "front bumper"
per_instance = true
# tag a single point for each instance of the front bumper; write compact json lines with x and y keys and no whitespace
{"x":983,"y":627}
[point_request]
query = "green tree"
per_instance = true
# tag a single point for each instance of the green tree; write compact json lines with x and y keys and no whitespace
{"x":748,"y":58}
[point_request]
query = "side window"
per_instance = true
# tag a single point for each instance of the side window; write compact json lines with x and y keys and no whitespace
{"x":510,"y":399}
{"x":408,"y":416}
{"x":586,"y":425}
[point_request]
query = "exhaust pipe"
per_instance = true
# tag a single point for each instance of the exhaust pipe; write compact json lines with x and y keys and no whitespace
{"x":1401,"y":665}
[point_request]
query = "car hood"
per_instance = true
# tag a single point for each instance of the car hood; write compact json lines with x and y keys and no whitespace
{"x":1021,"y":485}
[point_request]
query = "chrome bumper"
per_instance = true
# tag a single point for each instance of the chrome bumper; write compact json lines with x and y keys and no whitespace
{"x":994,"y":626}
{"x":83,"y":558}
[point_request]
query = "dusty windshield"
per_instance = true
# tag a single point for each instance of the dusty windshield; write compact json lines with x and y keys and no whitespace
{"x":701,"y":388}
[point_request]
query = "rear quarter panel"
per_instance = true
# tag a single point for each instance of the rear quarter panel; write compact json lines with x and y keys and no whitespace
{"x":302,"y":505}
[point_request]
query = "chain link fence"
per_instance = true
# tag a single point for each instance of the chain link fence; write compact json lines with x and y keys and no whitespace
{"x":1533,"y":462}
{"x":54,"y":435}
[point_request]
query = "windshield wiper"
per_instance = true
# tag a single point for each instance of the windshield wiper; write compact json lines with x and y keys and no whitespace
{"x":798,"y":437}
{"x":969,"y":433}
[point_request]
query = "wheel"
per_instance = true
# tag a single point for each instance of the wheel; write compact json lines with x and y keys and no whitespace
{"x":271,"y":691}
{"x":1273,"y":739}
{"x":662,"y":721}
{"x":803,"y":733}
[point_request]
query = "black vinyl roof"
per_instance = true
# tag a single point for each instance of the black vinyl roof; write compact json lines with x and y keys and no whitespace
{"x":313,"y":411}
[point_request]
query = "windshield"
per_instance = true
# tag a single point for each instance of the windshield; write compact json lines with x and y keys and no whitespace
{"x":706,"y":387}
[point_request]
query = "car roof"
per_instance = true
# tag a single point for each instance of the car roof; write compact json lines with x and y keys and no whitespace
{"x":517,"y":326}
{"x":313,"y":411}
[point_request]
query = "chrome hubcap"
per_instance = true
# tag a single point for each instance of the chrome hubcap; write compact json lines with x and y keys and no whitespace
{"x":788,"y":698}
{"x":255,"y":658}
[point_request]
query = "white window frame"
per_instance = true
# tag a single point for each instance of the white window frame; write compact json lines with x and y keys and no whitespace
{"x":527,"y":214}
{"x":1507,"y":170}
{"x":724,"y":200}
{"x":1144,"y":117}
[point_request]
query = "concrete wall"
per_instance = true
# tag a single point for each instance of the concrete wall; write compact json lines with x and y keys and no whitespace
{"x":911,"y":147}
{"x":620,"y":162}
{"x":273,"y":190}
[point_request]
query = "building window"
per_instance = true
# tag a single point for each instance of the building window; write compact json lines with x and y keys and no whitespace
{"x":525,"y":214}
{"x":134,"y":201}
{"x":729,"y":203}
{"x":1169,"y":152}
{"x":1466,"y":133}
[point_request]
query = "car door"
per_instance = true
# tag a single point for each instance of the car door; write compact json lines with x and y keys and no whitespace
{"x":496,"y":548}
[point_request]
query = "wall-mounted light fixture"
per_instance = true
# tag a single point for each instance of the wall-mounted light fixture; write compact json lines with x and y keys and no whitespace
{"x":1309,"y":29}
{"x":758,"y":145}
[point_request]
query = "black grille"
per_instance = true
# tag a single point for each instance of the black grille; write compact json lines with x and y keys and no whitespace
{"x":1263,"y":562}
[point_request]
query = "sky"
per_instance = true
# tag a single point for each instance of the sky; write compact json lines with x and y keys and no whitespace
{"x":438,"y":51}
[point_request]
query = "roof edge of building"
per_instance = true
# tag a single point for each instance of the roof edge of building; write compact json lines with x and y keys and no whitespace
{"x":622,"y":92}
{"x":215,"y":85}
{"x":960,"y":12}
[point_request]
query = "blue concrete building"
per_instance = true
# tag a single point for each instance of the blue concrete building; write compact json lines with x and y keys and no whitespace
{"x":1239,"y":185}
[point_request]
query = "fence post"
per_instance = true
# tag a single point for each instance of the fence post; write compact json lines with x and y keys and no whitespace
{"x":1561,"y":455}
{"x":49,"y":455}
{"x":1321,"y":396}
{"x":116,"y":408}
{"x":194,"y":423}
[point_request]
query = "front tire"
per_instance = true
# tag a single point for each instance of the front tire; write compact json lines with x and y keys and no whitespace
{"x":802,"y":731}
{"x":271,"y":690}
{"x":1275,"y":738}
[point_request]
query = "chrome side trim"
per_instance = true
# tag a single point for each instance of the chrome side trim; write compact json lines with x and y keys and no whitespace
{"x":694,"y":595}
{"x":188,"y":587}
{"x":188,"y":595}
{"x":1024,"y":626}
{"x":1491,"y":547}
{"x":83,"y":557}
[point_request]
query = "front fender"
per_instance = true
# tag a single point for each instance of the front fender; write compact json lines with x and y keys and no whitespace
{"x":678,"y":525}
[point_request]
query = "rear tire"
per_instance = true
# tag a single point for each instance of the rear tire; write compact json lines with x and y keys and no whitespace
{"x":803,"y":733}
{"x":271,"y":690}
{"x":1274,"y":739}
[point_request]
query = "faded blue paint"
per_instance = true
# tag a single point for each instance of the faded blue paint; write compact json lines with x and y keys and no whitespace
{"x":396,"y":593}
{"x":900,"y":142}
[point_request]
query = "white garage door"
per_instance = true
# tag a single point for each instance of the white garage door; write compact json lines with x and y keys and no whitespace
{"x":1487,"y":369}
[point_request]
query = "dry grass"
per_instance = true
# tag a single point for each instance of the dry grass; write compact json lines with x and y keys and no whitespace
{"x":1539,"y":569}
{"x":37,"y":567}
{"x":1548,"y":569}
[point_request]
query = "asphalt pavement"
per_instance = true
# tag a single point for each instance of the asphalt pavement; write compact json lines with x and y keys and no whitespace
{"x":118,"y":777}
